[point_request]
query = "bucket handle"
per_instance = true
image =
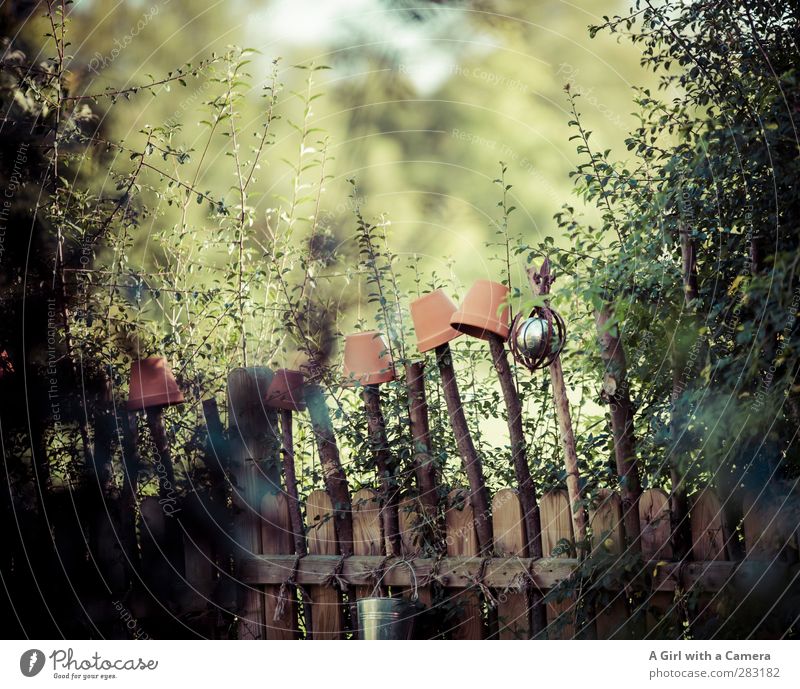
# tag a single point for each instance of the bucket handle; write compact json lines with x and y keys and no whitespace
{"x":415,"y":595}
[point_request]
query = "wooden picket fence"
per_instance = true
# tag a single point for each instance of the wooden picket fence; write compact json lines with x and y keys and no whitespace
{"x":239,"y":570}
{"x":478,"y":597}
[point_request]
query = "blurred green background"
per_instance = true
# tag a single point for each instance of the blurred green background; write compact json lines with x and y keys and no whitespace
{"x":421,"y":102}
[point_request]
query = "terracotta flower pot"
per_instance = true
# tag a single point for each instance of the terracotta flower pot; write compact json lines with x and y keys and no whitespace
{"x":152,"y":384}
{"x":286,"y":391}
{"x":431,"y":314}
{"x":480,"y":313}
{"x":366,"y":359}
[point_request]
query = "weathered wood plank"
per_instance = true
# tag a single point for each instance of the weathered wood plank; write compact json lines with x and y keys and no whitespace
{"x":326,"y":604}
{"x":557,"y":526}
{"x":608,"y":533}
{"x":654,"y":517}
{"x":277,"y":538}
{"x":367,"y":532}
{"x":412,"y":531}
{"x":460,"y":572}
{"x":656,"y":532}
{"x":709,"y":539}
{"x":513,"y":609}
{"x":709,"y":542}
{"x":255,"y":465}
{"x":198,"y":553}
{"x":769,"y":526}
{"x":462,"y":539}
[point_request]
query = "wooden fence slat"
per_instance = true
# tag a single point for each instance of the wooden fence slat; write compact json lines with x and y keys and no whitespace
{"x":462,"y":539}
{"x":367,"y":531}
{"x":709,"y":538}
{"x":255,"y":465}
{"x":654,"y":518}
{"x":110,"y":555}
{"x":253,"y":425}
{"x":412,"y":525}
{"x":513,"y":609}
{"x":768,"y":527}
{"x":199,"y":560}
{"x":608,"y":532}
{"x":277,"y":538}
{"x":247,"y":525}
{"x":606,"y":520}
{"x":155,"y":571}
{"x":709,"y":543}
{"x":557,"y":525}
{"x":770,"y":523}
{"x":655,"y":525}
{"x":326,"y":605}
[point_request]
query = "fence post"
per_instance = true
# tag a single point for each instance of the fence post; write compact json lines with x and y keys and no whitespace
{"x":617,"y":392}
{"x":420,"y":430}
{"x":335,"y":478}
{"x":290,"y":481}
{"x":413,"y":529}
{"x":540,"y":283}
{"x":709,"y":536}
{"x":167,"y":489}
{"x":385,"y":465}
{"x":770,"y":524}
{"x":479,"y":498}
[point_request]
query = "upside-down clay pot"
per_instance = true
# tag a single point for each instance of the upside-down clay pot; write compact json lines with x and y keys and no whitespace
{"x":431,"y":314}
{"x":480,"y":314}
{"x":152,"y":384}
{"x":286,"y":391}
{"x":366,"y":359}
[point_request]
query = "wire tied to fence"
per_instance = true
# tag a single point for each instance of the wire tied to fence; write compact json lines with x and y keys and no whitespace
{"x":286,"y":587}
{"x":376,"y":575}
{"x":336,"y":579}
{"x":519,"y":584}
{"x":532,"y":585}
{"x":479,"y":581}
{"x":434,"y":575}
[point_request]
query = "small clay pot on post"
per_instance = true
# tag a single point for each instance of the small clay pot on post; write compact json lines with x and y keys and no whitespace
{"x":286,"y":394}
{"x":368,"y":363}
{"x":152,"y":389}
{"x":431,"y":314}
{"x":484,"y":314}
{"x":367,"y":360}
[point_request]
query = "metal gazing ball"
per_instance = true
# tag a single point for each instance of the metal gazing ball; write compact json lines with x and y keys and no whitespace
{"x":538,"y":339}
{"x":532,"y":336}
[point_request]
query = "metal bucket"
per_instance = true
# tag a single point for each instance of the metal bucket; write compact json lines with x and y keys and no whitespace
{"x":385,"y":619}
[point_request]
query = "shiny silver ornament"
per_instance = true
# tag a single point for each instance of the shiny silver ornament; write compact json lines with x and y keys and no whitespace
{"x":532,"y":336}
{"x":538,"y":339}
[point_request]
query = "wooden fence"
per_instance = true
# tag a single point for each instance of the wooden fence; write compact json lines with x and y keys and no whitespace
{"x":223,"y":559}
